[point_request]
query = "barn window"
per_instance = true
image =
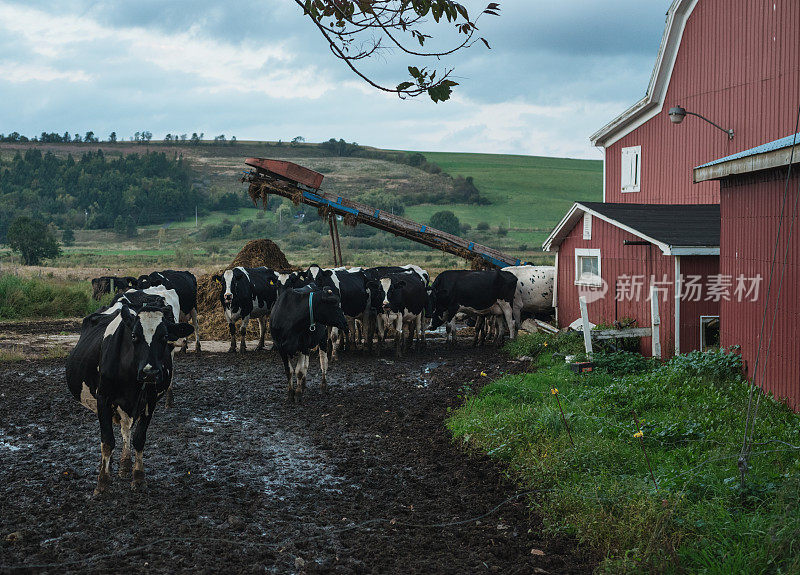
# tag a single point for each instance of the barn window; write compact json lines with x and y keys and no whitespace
{"x":587,"y":267}
{"x":587,"y":226}
{"x":631,"y":169}
{"x":709,"y":332}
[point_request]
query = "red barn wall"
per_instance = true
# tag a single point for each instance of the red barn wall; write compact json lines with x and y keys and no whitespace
{"x":738,"y":65}
{"x":750,"y":211}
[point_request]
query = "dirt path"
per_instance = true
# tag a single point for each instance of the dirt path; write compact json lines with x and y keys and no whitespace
{"x":363,"y":479}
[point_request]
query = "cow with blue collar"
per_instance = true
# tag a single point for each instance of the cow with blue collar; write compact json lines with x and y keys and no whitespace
{"x":248,"y":293}
{"x":120,"y":368}
{"x":298,"y":324}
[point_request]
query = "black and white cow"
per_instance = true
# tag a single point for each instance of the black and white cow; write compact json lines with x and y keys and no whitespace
{"x":109,"y":284}
{"x":534,"y":293}
{"x":160,"y":295}
{"x":380,"y":272}
{"x":185,"y":285}
{"x":248,"y":293}
{"x":119,"y":369}
{"x":359,"y":299}
{"x":404,"y":302}
{"x":485,"y":292}
{"x":298,"y":324}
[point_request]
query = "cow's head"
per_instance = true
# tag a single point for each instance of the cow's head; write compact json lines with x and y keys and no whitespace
{"x":152,"y":332}
{"x":438,"y":299}
{"x":143,"y":282}
{"x":235,"y":283}
{"x":393,"y":294}
{"x":375,"y":294}
{"x":130,"y":281}
{"x":327,"y":310}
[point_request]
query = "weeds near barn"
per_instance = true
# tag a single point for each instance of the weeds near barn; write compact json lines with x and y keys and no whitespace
{"x":691,"y":414}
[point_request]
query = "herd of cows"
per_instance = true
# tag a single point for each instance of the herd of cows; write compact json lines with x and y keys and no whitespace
{"x":123,"y":361}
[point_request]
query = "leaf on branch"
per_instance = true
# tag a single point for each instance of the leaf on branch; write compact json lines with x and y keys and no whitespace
{"x":414,"y":71}
{"x":441,"y":91}
{"x":485,"y":42}
{"x":404,"y":86}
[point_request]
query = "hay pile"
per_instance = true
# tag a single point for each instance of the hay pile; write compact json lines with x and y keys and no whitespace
{"x":209,"y":310}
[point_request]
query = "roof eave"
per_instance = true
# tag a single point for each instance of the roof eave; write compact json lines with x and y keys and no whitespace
{"x":748,"y":164}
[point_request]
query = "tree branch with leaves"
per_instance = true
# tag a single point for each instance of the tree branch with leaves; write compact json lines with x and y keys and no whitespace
{"x":359,"y":29}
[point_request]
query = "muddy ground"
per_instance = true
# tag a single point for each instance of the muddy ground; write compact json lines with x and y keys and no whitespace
{"x":362,"y":479}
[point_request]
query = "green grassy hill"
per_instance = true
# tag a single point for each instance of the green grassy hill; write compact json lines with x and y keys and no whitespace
{"x":529,"y":193}
{"x":528,"y":196}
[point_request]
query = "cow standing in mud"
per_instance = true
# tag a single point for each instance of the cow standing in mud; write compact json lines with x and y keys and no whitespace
{"x":404,"y":302}
{"x":185,"y":285}
{"x":486,"y":293}
{"x":248,"y":293}
{"x":298,"y":325}
{"x":120,"y":368}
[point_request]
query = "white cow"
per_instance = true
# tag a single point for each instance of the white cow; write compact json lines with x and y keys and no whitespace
{"x":534,"y":293}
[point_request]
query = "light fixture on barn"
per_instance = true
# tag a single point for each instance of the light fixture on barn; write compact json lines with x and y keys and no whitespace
{"x":678,"y":113}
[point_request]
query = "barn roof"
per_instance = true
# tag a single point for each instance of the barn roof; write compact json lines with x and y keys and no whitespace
{"x":775,"y":154}
{"x":653,"y":101}
{"x":677,"y":229}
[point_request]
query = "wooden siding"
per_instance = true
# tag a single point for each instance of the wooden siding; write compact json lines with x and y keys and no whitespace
{"x":738,"y":65}
{"x":750,"y":211}
{"x":621,"y":260}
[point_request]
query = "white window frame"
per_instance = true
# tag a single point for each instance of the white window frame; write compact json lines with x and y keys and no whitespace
{"x":703,"y":318}
{"x":587,"y":226}
{"x":631,"y":170}
{"x":588,"y":252}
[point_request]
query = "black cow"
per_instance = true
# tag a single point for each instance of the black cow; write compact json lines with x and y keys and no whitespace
{"x":185,"y":284}
{"x":486,"y":292}
{"x":298,"y":326}
{"x":248,"y":293}
{"x":108,"y":284}
{"x":120,"y":367}
{"x":404,"y":302}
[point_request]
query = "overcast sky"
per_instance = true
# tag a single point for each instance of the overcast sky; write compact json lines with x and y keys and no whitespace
{"x":257,"y":69}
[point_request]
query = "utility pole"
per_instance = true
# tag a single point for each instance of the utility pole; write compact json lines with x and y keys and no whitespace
{"x":195,"y":215}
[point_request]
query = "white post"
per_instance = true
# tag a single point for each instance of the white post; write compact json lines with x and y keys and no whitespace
{"x":655,"y":321}
{"x":587,"y":336}
{"x":678,"y":289}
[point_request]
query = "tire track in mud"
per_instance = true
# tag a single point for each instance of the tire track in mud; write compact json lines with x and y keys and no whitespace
{"x":357,"y":480}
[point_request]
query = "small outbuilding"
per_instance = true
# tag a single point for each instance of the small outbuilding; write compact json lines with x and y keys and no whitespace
{"x":760,"y":247}
{"x":618,"y":256}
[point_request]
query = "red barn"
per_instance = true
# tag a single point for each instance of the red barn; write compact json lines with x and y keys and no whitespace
{"x":761,"y":239}
{"x":735,"y":63}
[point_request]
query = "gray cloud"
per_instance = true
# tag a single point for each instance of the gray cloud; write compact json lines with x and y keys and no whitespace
{"x":258,"y":69}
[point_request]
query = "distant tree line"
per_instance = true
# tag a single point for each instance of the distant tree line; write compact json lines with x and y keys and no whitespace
{"x":142,"y":137}
{"x":98,"y":192}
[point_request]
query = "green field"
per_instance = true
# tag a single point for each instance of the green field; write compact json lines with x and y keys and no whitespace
{"x":528,"y":193}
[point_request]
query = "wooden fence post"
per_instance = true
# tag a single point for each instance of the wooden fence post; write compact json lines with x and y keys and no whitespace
{"x":655,"y":322}
{"x":587,"y":336}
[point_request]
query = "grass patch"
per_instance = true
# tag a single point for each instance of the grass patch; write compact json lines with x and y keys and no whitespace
{"x":11,"y":355}
{"x":699,"y":520}
{"x":37,"y":298}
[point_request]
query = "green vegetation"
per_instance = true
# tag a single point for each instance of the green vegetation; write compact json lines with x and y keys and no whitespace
{"x":446,"y":221}
{"x":32,"y":239}
{"x":37,"y":298}
{"x":527,"y":194}
{"x":94,"y":191}
{"x":691,"y":410}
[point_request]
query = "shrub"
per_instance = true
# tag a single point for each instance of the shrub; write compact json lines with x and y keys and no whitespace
{"x":446,"y":221}
{"x":501,"y":231}
{"x":482,"y":226}
{"x":236,"y":232}
{"x":33,"y":240}
{"x":22,"y":298}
